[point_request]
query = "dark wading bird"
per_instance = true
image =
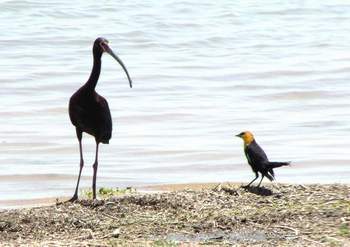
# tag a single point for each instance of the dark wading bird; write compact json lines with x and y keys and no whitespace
{"x":89,"y":111}
{"x":257,"y":158}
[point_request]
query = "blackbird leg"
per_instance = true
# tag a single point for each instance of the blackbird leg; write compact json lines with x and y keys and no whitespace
{"x":262,"y":177}
{"x":256,"y":177}
{"x":79,"y":136}
{"x":95,"y":165}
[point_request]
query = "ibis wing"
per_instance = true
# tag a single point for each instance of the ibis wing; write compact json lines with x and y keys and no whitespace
{"x":105,"y":120}
{"x":92,"y":115}
{"x":81,"y":118}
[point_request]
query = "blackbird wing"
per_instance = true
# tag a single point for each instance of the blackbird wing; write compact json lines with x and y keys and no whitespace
{"x":256,"y":156}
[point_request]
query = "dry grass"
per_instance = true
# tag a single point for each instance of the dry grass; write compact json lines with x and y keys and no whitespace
{"x":291,"y":215}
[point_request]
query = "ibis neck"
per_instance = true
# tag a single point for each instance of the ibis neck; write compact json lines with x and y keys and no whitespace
{"x":95,"y":73}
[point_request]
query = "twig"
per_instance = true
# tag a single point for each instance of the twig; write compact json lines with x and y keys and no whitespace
{"x":184,"y":232}
{"x":110,"y":216}
{"x":343,"y":219}
{"x":218,"y":187}
{"x":296,"y":231}
{"x":259,"y":225}
{"x":140,"y":221}
{"x":303,"y":186}
{"x":312,"y":241}
{"x":330,"y":201}
{"x":333,"y":238}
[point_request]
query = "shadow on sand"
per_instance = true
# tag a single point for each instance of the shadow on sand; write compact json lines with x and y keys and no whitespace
{"x":261,"y":191}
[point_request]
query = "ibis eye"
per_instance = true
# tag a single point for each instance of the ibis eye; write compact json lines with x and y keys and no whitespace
{"x":103,"y":45}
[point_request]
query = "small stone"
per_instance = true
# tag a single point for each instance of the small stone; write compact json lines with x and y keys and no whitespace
{"x":116,"y":233}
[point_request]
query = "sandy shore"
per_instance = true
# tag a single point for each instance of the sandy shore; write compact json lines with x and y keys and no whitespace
{"x":189,"y":215}
{"x":38,"y":202}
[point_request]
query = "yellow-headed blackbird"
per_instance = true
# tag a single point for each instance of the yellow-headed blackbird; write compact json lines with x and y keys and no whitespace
{"x":257,"y":158}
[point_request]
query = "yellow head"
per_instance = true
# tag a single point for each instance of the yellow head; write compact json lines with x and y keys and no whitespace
{"x":247,"y":137}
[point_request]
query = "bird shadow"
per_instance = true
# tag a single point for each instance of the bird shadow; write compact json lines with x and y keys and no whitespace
{"x":261,"y":191}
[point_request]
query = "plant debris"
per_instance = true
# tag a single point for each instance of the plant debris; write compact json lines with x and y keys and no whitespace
{"x":225,"y":215}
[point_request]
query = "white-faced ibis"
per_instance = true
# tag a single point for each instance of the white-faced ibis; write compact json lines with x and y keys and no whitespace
{"x":89,"y":111}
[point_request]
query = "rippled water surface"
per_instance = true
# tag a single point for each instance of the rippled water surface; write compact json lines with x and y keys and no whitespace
{"x":202,"y":71}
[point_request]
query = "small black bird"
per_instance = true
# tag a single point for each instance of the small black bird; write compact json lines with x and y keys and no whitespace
{"x":257,"y":158}
{"x":89,"y":111}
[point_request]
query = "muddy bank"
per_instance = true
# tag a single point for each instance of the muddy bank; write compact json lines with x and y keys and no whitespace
{"x":289,"y":215}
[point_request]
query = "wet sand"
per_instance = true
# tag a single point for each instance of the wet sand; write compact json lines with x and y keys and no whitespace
{"x":30,"y":202}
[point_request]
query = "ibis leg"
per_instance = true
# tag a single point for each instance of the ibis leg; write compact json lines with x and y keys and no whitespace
{"x":95,"y":165}
{"x":79,"y":135}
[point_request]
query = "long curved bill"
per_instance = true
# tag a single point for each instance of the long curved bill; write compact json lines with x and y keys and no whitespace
{"x":110,"y":52}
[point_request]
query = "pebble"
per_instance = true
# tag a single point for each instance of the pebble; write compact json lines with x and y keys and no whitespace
{"x":116,"y":233}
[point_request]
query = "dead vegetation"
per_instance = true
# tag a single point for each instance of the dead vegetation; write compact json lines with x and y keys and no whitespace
{"x":291,"y":215}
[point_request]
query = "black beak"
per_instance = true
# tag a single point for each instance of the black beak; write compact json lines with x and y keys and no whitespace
{"x":239,"y":135}
{"x":110,"y":52}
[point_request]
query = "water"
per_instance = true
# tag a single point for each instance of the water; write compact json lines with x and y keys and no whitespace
{"x":202,"y":71}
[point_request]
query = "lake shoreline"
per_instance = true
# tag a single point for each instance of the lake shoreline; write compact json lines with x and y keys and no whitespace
{"x":49,"y":201}
{"x":152,"y":188}
{"x":198,"y":214}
